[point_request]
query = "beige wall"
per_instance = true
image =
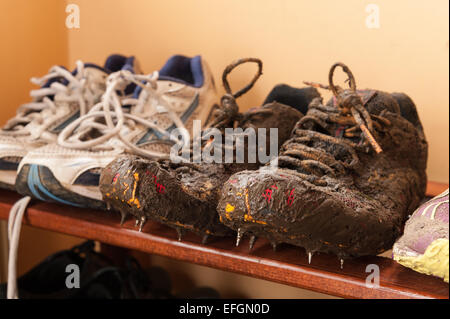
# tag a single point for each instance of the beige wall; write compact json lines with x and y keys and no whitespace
{"x":33,"y":39}
{"x":297,"y":40}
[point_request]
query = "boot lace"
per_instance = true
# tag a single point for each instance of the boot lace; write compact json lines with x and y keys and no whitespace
{"x":228,"y":115}
{"x":324,"y":142}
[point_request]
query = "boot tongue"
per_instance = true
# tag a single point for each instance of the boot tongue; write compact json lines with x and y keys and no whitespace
{"x":366,"y":96}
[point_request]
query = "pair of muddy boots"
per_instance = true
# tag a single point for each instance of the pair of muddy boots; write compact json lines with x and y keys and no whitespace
{"x":347,"y":175}
{"x":183,"y":192}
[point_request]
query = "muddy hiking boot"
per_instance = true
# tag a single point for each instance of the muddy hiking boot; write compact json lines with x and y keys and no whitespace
{"x":346,"y":179}
{"x":185,"y":195}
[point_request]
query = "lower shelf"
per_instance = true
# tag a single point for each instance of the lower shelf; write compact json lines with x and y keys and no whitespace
{"x":288,"y":265}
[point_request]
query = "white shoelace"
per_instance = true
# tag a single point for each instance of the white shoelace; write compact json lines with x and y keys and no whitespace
{"x":110,"y":108}
{"x":76,"y":90}
{"x":14,"y":226}
{"x":43,"y":107}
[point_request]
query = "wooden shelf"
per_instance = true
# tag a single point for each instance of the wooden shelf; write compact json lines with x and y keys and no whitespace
{"x":288,"y":265}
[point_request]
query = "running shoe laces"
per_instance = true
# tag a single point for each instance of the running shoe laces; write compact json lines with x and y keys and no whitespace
{"x":111,"y":121}
{"x":69,"y":87}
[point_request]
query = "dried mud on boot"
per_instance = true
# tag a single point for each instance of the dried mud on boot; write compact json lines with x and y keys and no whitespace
{"x":184,"y":195}
{"x":348,"y":177}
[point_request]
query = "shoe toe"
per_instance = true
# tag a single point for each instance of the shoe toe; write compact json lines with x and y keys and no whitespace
{"x":154,"y":190}
{"x":285,"y":208}
{"x":254,"y":201}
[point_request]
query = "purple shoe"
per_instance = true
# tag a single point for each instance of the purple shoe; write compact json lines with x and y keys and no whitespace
{"x":424,"y":245}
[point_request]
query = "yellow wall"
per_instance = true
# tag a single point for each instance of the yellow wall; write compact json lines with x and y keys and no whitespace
{"x":297,"y":40}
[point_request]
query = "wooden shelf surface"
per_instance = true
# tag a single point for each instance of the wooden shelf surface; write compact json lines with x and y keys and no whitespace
{"x":288,"y":265}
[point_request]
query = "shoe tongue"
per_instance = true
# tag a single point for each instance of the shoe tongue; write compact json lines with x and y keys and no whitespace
{"x":180,"y":69}
{"x":114,"y":63}
{"x":298,"y":98}
{"x":98,"y":74}
{"x":117,"y":62}
{"x":59,"y":79}
{"x":366,"y":96}
{"x":94,"y":72}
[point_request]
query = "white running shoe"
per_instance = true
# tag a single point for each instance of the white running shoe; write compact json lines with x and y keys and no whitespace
{"x":63,"y":96}
{"x":68,"y":171}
